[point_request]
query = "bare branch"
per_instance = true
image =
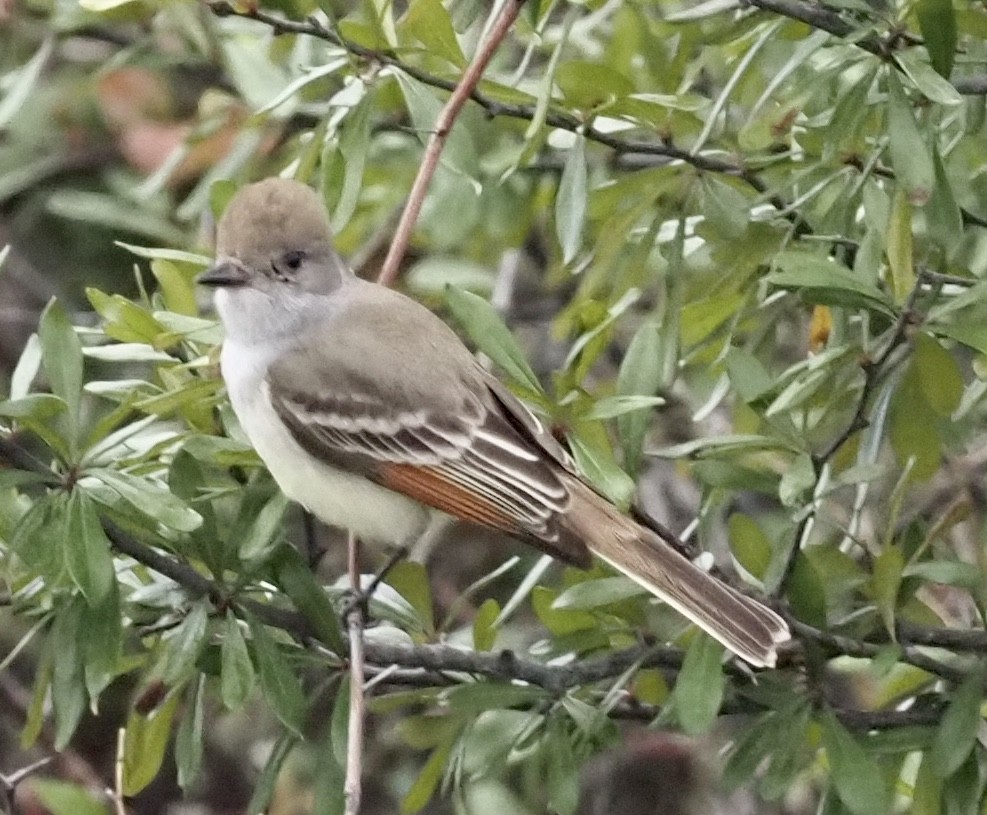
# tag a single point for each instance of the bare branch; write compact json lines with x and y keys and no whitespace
{"x":443,"y":126}
{"x":352,"y":788}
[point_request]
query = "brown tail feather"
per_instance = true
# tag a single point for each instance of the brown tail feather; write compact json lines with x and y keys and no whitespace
{"x":746,"y":627}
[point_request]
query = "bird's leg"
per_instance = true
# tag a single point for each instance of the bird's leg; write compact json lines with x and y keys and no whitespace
{"x":420,"y":543}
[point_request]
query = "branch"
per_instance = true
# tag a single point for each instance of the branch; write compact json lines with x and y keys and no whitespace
{"x":873,"y":370}
{"x":443,"y":126}
{"x":352,"y":787}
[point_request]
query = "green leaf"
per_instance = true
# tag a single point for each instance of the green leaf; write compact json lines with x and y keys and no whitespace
{"x":191,"y":735}
{"x":410,"y":580}
{"x":19,"y":88}
{"x":87,"y":549}
{"x":937,"y":22}
{"x":562,"y":772}
{"x":699,"y":688}
{"x":938,"y":375}
{"x":474,"y":697}
{"x":927,"y":79}
{"x":296,"y":579}
{"x":185,"y":643}
{"x":600,"y":592}
{"x":68,"y":690}
{"x":144,"y":745}
{"x":429,"y":23}
{"x":487,"y":330}
{"x":177,"y":289}
{"x":595,"y":460}
{"x":103,"y":624}
{"x":943,"y":217}
{"x":559,"y":622}
{"x":237,"y":672}
{"x":265,"y":532}
{"x":819,"y":280}
{"x":149,"y":498}
{"x":641,"y":374}
{"x":957,"y":731}
{"x":914,"y":436}
{"x":67,"y":798}
{"x":282,"y":690}
{"x":723,"y":446}
{"x":484,"y":628}
{"x":62,"y":356}
{"x":570,"y":201}
{"x":725,"y":208}
{"x":589,"y":85}
{"x":927,"y":790}
{"x":856,"y":776}
{"x":428,"y":780}
{"x":264,"y":790}
{"x":910,"y":155}
{"x":749,"y":545}
{"x":899,"y":246}
{"x":340,"y":724}
{"x":807,"y":592}
{"x":949,"y":572}
{"x":610,"y":407}
{"x":888,"y":567}
{"x":354,"y":141}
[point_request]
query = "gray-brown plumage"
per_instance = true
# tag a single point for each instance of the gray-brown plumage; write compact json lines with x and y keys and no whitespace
{"x":369,"y":411}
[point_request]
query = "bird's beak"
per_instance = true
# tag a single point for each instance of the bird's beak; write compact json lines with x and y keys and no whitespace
{"x":224,"y":273}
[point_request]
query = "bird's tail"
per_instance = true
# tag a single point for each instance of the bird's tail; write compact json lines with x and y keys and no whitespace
{"x":745,"y":626}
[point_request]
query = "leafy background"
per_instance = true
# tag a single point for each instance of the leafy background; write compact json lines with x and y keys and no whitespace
{"x":768,"y":214}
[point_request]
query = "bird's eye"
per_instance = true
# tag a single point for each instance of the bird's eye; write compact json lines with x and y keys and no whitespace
{"x":285,"y":267}
{"x":293,"y":260}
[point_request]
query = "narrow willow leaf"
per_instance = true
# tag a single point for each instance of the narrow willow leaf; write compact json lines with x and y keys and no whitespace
{"x":282,"y":689}
{"x":641,"y":374}
{"x":19,"y":90}
{"x":145,"y":743}
{"x":264,"y":790}
{"x":62,"y":356}
{"x":428,"y":780}
{"x":910,"y":154}
{"x":485,"y":327}
{"x":68,"y":690}
{"x":899,"y":246}
{"x":749,"y":544}
{"x":150,"y":499}
{"x":958,"y":729}
{"x":700,"y":685}
{"x":237,"y":671}
{"x":570,"y":201}
{"x":937,"y":22}
{"x":410,"y":580}
{"x":87,"y":549}
{"x":888,"y":567}
{"x":943,"y":216}
{"x":856,"y":775}
{"x":354,"y":142}
{"x":484,"y":627}
{"x":190,"y":737}
{"x":185,"y":644}
{"x":600,"y":592}
{"x":296,"y":579}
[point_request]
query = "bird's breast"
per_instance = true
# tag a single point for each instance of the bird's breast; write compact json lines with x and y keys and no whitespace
{"x":336,"y":497}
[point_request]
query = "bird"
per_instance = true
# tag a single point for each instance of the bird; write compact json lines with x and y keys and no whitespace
{"x":370,"y":412}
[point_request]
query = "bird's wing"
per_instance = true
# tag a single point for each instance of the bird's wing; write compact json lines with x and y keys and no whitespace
{"x":412,"y":411}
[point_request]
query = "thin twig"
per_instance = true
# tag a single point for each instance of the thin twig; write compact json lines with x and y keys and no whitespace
{"x":352,"y":788}
{"x":9,"y":782}
{"x":118,"y":767}
{"x":437,"y":141}
{"x":874,"y":369}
